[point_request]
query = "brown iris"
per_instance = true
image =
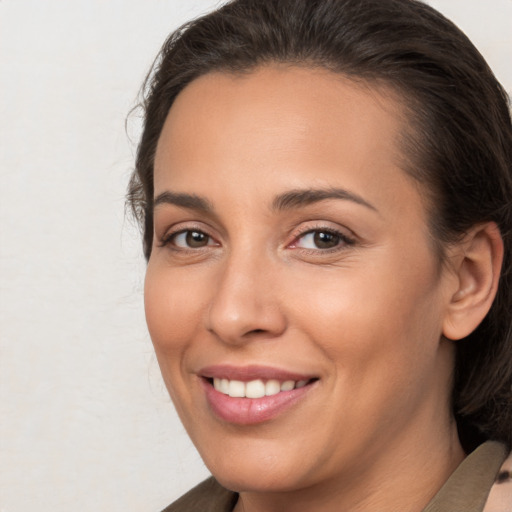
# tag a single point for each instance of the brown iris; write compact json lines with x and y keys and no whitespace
{"x":196,"y":239}
{"x":326,"y":240}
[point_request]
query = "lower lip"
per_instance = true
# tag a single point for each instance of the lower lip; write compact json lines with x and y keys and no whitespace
{"x":250,"y":411}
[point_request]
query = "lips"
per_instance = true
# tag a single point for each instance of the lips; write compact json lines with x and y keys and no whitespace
{"x":254,"y":394}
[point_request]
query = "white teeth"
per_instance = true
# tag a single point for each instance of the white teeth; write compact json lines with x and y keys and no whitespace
{"x":255,"y":388}
{"x":287,"y":385}
{"x":236,"y":389}
{"x":224,"y":386}
{"x":272,"y":387}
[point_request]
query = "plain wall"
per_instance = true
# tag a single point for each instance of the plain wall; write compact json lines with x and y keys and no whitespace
{"x":85,"y":421}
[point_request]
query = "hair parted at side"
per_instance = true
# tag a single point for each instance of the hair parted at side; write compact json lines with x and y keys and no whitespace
{"x":458,"y":143}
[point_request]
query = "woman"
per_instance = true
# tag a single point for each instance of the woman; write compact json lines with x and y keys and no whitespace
{"x":325,"y":191}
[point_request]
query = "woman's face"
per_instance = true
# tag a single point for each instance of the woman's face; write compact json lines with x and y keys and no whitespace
{"x":292,"y":295}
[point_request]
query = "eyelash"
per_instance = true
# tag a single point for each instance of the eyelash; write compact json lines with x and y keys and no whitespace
{"x":343,"y":240}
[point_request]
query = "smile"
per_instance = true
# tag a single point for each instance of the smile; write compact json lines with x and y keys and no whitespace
{"x":252,"y":395}
{"x":255,"y":388}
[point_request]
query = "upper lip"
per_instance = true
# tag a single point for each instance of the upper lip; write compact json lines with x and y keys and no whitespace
{"x":251,"y":372}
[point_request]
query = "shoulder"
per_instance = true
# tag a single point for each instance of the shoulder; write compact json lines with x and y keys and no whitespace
{"x":500,"y":497}
{"x":208,"y":496}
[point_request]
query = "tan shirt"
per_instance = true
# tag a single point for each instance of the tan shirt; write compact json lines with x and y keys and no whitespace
{"x":467,"y":490}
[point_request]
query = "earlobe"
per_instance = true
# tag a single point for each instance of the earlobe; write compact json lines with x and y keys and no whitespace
{"x":478,"y":264}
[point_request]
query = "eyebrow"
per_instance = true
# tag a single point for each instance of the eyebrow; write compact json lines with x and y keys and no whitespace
{"x":287,"y":201}
{"x":189,"y":201}
{"x":303,"y":197}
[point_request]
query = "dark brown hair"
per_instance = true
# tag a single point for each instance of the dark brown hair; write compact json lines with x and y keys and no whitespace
{"x":459,"y":142}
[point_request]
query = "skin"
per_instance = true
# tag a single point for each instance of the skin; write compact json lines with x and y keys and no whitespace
{"x":366,"y":317}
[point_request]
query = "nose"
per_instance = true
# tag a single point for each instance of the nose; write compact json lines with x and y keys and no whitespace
{"x":245,"y":304}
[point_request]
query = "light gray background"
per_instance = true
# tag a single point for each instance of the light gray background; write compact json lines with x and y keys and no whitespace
{"x":85,"y":422}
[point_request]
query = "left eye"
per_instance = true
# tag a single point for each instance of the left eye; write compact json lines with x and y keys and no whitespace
{"x":319,"y":240}
{"x":191,"y":239}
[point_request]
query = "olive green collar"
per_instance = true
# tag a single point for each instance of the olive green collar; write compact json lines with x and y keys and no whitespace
{"x":469,"y":485}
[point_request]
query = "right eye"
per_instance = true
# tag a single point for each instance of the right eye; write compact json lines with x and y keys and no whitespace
{"x":190,"y":239}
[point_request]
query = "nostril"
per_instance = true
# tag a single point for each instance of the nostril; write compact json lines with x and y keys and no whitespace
{"x":236,"y":318}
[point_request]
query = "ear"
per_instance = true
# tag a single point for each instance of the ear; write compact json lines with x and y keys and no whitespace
{"x":477,"y":264}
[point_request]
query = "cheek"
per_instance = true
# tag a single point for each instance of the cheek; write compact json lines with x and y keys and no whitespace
{"x":375,"y":320}
{"x":171,"y":306}
{"x":382,"y":347}
{"x":173,"y":318}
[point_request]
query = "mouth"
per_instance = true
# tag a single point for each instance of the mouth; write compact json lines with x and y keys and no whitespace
{"x":252,"y":395}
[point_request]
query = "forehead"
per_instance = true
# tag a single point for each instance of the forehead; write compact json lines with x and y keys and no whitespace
{"x":291,"y":126}
{"x":278,"y":99}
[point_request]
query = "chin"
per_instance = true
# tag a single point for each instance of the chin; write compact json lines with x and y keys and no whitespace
{"x":257,"y":470}
{"x":256,"y":479}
